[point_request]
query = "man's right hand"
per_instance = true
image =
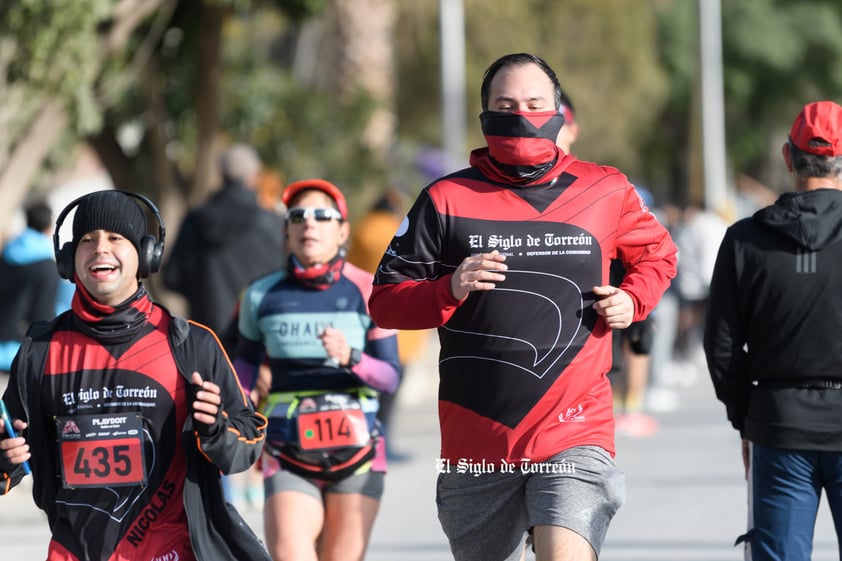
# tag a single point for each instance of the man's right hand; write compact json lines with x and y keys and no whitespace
{"x":16,"y":450}
{"x":478,"y":272}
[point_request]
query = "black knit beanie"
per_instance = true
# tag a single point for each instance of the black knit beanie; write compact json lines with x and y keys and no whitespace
{"x":112,"y":211}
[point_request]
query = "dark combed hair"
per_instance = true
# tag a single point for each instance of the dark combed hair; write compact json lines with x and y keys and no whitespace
{"x":39,"y":216}
{"x":518,"y":59}
{"x":566,"y":101}
{"x":805,"y":164}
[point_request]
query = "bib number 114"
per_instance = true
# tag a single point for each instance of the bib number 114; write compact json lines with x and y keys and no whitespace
{"x":332,"y":429}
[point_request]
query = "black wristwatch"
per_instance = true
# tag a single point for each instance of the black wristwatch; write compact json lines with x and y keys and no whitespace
{"x":355,"y":358}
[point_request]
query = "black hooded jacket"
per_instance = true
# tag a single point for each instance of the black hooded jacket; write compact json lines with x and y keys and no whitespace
{"x":217,"y":532}
{"x":773,"y":332}
{"x":223,"y":245}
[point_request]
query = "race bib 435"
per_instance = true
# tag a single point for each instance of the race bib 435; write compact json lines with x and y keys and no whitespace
{"x":101,"y":450}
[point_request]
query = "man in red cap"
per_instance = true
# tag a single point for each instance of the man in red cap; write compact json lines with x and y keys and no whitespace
{"x":772,"y":342}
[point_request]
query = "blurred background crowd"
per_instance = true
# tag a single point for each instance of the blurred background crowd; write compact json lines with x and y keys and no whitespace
{"x":144,"y":95}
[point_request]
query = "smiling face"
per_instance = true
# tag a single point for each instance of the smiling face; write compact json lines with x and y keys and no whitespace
{"x":107,"y":264}
{"x":312,"y":241}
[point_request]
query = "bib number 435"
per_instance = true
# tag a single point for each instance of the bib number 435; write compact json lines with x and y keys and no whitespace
{"x":101,"y":450}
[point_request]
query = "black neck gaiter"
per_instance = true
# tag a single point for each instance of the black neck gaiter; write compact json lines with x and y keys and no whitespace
{"x":319,"y":277}
{"x":111,"y":324}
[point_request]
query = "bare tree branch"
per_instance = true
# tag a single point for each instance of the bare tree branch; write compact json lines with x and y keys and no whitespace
{"x":27,"y":155}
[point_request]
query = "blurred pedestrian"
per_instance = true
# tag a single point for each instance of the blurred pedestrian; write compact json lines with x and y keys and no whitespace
{"x":127,"y":414}
{"x":697,"y":237}
{"x":370,"y":238}
{"x":509,"y":260}
{"x":661,"y":395}
{"x":225,"y":243}
{"x":569,"y":131}
{"x":325,"y":459}
{"x":30,"y":288}
{"x":772,"y":342}
{"x":629,"y":373}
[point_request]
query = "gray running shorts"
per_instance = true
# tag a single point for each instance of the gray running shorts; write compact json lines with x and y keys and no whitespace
{"x":486,"y":516}
{"x":369,"y":483}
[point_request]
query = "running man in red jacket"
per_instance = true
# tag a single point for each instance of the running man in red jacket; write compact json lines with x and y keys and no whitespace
{"x":509,"y":260}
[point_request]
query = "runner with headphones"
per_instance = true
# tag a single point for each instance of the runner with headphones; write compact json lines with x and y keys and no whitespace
{"x":150,"y":250}
{"x":126,"y":413}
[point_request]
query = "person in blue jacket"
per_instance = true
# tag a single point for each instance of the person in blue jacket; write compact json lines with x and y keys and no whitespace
{"x":30,"y":288}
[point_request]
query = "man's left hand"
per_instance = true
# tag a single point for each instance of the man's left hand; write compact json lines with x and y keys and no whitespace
{"x":614,"y":305}
{"x":206,"y":402}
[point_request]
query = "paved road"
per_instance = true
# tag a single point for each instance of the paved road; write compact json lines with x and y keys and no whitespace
{"x":685,"y":493}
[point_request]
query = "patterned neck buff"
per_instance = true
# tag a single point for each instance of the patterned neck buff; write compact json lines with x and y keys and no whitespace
{"x":521,"y":145}
{"x":321,"y":276}
{"x":114,"y":324}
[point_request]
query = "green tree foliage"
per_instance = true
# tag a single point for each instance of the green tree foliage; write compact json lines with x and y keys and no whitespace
{"x":300,"y":10}
{"x":154,"y":84}
{"x":604,"y":53}
{"x":666,"y":149}
{"x":299,"y":127}
{"x":51,"y":56}
{"x":777,"y":56}
{"x":53,"y":37}
{"x":780,"y":55}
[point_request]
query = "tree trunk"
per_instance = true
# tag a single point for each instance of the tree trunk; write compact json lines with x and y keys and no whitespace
{"x":366,"y":62}
{"x":36,"y":141}
{"x":116,"y":163}
{"x":27,"y":156}
{"x":207,"y":100}
{"x":169,"y":194}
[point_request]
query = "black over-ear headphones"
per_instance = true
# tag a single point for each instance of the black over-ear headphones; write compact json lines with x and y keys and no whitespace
{"x":150,"y":253}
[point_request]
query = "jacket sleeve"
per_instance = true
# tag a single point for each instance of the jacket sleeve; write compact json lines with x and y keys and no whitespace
{"x":725,"y":336}
{"x":412,"y":285}
{"x":12,"y":474}
{"x":648,"y":254}
{"x":44,"y":308}
{"x":379,"y":367}
{"x":237,"y":440}
{"x":250,"y":350}
{"x":413,"y":305}
{"x":23,"y":401}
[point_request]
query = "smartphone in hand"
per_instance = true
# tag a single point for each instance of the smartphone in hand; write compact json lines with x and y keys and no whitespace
{"x":10,"y":430}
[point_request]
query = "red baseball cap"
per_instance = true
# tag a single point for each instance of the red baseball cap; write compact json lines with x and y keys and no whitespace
{"x":326,"y":187}
{"x":818,"y":129}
